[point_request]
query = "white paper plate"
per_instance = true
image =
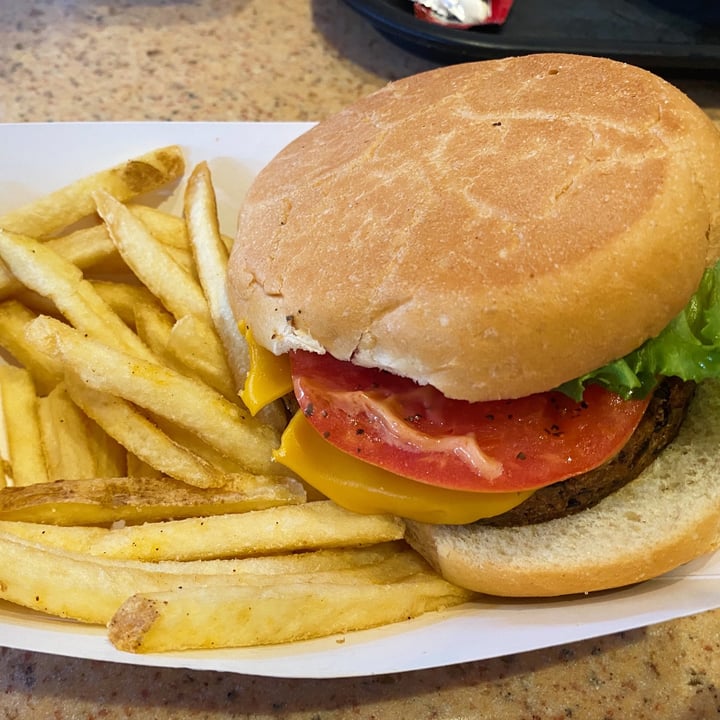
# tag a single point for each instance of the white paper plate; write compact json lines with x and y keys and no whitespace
{"x":38,"y":158}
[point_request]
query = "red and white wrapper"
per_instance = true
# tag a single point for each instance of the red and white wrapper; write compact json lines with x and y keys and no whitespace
{"x":463,"y":13}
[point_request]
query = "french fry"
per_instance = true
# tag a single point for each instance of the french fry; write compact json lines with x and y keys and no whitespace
{"x":211,"y":259}
{"x":199,"y":616}
{"x":84,"y":248}
{"x":97,"y":542}
{"x":64,"y":431}
{"x":176,"y":288}
{"x":182,"y":400}
{"x":125,"y":181}
{"x":193,"y":344}
{"x":153,"y":324}
{"x":41,"y":269}
{"x":139,"y":468}
{"x":91,"y":589}
{"x":197,"y":445}
{"x":156,"y":506}
{"x":109,"y":455}
{"x":278,"y":529}
{"x":19,"y":405}
{"x":77,"y":586}
{"x":102,"y":501}
{"x":168,"y":229}
{"x":121,"y":420}
{"x":123,"y":298}
{"x":14,"y":318}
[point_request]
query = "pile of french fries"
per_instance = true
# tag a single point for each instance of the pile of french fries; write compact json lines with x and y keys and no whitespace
{"x":137,"y":490}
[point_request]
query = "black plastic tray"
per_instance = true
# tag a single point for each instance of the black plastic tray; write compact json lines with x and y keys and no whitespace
{"x":658,"y":34}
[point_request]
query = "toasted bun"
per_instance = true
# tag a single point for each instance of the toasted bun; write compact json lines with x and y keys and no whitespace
{"x":493,"y":229}
{"x":668,"y":515}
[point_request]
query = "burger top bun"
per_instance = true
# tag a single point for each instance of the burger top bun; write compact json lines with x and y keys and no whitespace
{"x":493,"y":228}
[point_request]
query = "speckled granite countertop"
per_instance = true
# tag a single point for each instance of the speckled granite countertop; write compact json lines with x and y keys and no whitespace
{"x":296,"y":60}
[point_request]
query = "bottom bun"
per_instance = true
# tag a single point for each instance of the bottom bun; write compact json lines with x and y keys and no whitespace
{"x":668,"y":515}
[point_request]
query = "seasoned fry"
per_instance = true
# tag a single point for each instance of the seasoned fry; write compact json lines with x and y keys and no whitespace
{"x":137,"y":489}
{"x":183,"y":400}
{"x":168,"y":229}
{"x":283,"y":528}
{"x":41,"y":269}
{"x":211,"y":258}
{"x":125,"y":181}
{"x":239,"y":615}
{"x":48,"y":580}
{"x":124,"y":297}
{"x":14,"y":318}
{"x":66,"y":436}
{"x":101,"y":501}
{"x":121,"y":420}
{"x":153,"y":324}
{"x":84,"y":248}
{"x":99,"y":542}
{"x":193,"y":344}
{"x":176,"y":288}
{"x":20,"y":410}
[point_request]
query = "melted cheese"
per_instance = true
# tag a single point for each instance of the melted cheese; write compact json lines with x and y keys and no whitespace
{"x":268,"y":378}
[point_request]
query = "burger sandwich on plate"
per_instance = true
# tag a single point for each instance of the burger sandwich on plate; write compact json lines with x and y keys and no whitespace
{"x":492,"y":289}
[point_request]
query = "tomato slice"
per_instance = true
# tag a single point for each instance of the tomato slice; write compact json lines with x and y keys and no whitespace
{"x":498,"y":446}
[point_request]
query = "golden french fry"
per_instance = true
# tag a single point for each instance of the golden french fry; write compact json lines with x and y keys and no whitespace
{"x":19,"y":404}
{"x":122,"y":421}
{"x":37,"y":303}
{"x":84,"y":248}
{"x":72,"y":585}
{"x":100,"y":501}
{"x":182,"y":400}
{"x":211,"y":258}
{"x":281,"y":528}
{"x":176,"y":506}
{"x":75,"y":446}
{"x":99,"y":542}
{"x":123,"y":297}
{"x":88,"y":247}
{"x":64,"y":431}
{"x":176,"y":288}
{"x":109,"y":455}
{"x":192,"y":442}
{"x":168,"y":229}
{"x":14,"y":318}
{"x":198,"y":616}
{"x":91,"y":589}
{"x":192,"y":343}
{"x":65,"y":206}
{"x":139,"y":468}
{"x":41,"y":269}
{"x":153,"y":324}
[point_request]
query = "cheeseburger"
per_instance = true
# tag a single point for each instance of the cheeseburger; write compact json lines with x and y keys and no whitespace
{"x":492,"y":291}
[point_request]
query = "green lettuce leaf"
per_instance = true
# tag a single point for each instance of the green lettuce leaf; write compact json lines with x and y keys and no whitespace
{"x":688,"y":348}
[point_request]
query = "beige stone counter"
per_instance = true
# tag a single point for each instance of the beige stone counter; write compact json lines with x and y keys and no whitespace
{"x":295,"y":60}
